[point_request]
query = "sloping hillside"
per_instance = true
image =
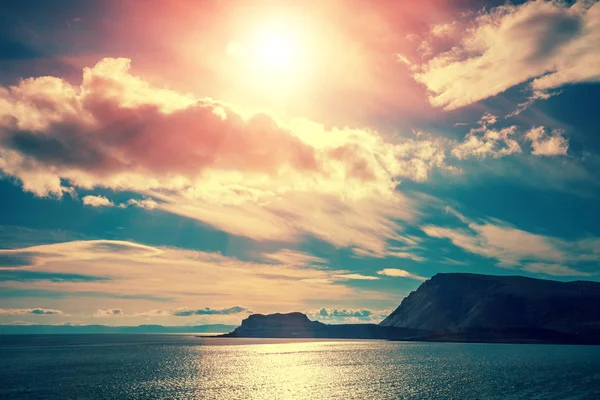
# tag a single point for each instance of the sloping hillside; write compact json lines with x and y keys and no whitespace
{"x":461,"y":302}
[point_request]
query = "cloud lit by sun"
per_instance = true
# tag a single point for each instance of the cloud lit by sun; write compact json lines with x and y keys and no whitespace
{"x":223,"y":134}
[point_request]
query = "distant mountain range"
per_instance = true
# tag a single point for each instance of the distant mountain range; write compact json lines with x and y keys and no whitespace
{"x":97,"y":329}
{"x":464,"y":308}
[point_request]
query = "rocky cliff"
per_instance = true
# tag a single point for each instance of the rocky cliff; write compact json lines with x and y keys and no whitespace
{"x":469,"y":302}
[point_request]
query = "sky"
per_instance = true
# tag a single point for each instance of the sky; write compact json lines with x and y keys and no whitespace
{"x":193,"y":162}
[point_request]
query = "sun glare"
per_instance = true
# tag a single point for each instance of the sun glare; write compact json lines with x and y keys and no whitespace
{"x":275,"y":51}
{"x":273,"y":54}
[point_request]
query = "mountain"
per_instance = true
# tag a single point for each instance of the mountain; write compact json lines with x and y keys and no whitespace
{"x":463,"y":308}
{"x":472,"y":306}
{"x":297,"y":325}
{"x":95,"y":329}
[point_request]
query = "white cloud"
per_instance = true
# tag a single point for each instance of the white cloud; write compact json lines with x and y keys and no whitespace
{"x":400,"y":273}
{"x":513,"y":247}
{"x":148,"y":204}
{"x":97,"y":201}
{"x":484,"y":142}
{"x":244,"y":173}
{"x":358,"y":277}
{"x":442,"y":30}
{"x":533,"y":97}
{"x":545,"y":144}
{"x":348,"y":315}
{"x":551,"y":41}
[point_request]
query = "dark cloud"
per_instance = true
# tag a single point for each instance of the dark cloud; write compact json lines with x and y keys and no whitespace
{"x":27,"y":275}
{"x":209,"y":311}
{"x":43,"y":311}
{"x":70,"y":150}
{"x":111,"y":312}
{"x":118,"y":138}
{"x":17,"y":260}
{"x":30,"y":311}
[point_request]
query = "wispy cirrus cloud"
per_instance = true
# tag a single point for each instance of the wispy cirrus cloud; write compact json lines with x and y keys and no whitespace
{"x":400,"y":273}
{"x":356,"y":277}
{"x":392,"y":252}
{"x":138,"y":272}
{"x":554,"y":269}
{"x":516,"y":248}
{"x":551,"y":43}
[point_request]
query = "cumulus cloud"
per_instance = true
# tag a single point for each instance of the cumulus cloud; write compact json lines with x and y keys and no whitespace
{"x":442,"y":30}
{"x":345,"y":313}
{"x":545,"y":144}
{"x":108,"y":313}
{"x":186,"y":312}
{"x":348,"y":315}
{"x":400,"y":273}
{"x":30,"y":311}
{"x":514,"y":247}
{"x":97,"y":201}
{"x":246,"y":173}
{"x":552,"y":42}
{"x":486,"y":142}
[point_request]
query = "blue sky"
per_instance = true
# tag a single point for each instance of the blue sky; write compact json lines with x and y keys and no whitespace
{"x":195,"y":163}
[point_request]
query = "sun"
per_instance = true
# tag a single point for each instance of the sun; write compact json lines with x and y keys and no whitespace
{"x":276,"y":51}
{"x":273,"y":53}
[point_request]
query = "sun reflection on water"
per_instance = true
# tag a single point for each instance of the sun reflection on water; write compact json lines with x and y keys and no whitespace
{"x":287,"y":370}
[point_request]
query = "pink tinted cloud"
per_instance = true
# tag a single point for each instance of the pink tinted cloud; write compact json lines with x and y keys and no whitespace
{"x":356,"y":78}
{"x":245,"y":173}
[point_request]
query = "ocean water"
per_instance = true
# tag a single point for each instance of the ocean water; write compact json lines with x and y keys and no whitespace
{"x":188,"y":367}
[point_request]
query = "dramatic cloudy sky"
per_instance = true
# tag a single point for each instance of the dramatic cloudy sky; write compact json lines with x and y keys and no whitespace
{"x":191,"y":162}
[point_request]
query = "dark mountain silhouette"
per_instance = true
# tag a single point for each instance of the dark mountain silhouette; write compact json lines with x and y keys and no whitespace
{"x":474,"y":307}
{"x":297,"y":325}
{"x":464,"y":307}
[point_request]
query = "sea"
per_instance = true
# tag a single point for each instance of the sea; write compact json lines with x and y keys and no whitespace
{"x":189,"y":367}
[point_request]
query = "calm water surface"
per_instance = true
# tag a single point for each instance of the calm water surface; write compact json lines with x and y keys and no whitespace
{"x":188,"y":367}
